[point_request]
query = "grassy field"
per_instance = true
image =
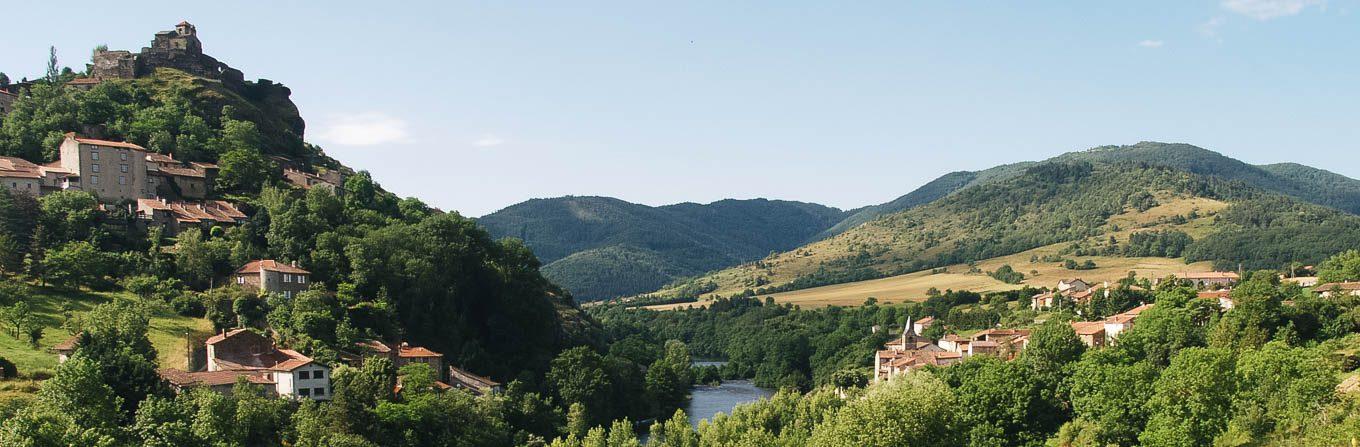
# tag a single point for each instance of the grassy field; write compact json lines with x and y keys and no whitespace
{"x":785,"y":267}
{"x":913,"y":286}
{"x":52,"y":306}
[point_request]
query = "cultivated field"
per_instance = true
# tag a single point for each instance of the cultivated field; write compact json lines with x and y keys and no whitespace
{"x":913,"y":286}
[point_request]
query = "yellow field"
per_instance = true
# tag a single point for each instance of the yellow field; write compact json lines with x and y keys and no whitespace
{"x":913,"y":286}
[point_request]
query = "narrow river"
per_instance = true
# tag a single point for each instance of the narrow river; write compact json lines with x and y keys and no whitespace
{"x":707,"y":401}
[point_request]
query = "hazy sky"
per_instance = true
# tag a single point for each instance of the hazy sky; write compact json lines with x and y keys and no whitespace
{"x":476,"y":106}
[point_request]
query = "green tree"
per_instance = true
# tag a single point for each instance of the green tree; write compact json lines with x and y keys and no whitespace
{"x":578,"y":375}
{"x":1345,"y":266}
{"x":1161,"y":332}
{"x":1109,"y":396}
{"x":77,"y":264}
{"x":78,"y":390}
{"x":1192,"y":400}
{"x":913,"y":409}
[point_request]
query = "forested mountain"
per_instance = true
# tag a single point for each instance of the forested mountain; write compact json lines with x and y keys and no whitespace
{"x":1303,"y":182}
{"x":1068,"y":201}
{"x":600,"y":247}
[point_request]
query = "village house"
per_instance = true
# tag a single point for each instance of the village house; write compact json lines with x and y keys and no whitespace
{"x":1210,"y":279}
{"x":407,"y":354}
{"x":330,"y":179}
{"x":1003,"y":342}
{"x":1072,"y":285}
{"x":1075,"y":290}
{"x":1338,"y":289}
{"x":113,"y":171}
{"x":7,"y":102}
{"x":1302,"y":281}
{"x":175,"y":216}
{"x":244,"y":354}
{"x":174,"y":178}
{"x":450,"y":377}
{"x":461,"y":379}
{"x":66,"y":348}
{"x":20,"y":176}
{"x":1103,"y":333}
{"x":1223,"y":297}
{"x":1092,"y":333}
{"x":921,"y":325}
{"x":270,"y":276}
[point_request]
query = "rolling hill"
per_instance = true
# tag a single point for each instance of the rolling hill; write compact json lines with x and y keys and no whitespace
{"x":600,"y":247}
{"x":1295,"y":180}
{"x":1074,"y":205}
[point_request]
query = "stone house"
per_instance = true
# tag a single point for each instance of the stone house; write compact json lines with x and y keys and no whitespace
{"x":461,"y":379}
{"x":407,"y":354}
{"x":7,"y":102}
{"x":270,"y":276}
{"x":1338,"y":288}
{"x":66,"y":348}
{"x":175,"y":216}
{"x":1092,"y":333}
{"x":1072,"y":285}
{"x":329,"y":179}
{"x":173,"y":178}
{"x":1223,"y":297}
{"x":20,"y":176}
{"x":113,"y":171}
{"x":1209,"y":279}
{"x":243,"y":353}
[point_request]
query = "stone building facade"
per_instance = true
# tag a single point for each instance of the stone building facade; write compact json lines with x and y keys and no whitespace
{"x":111,"y":170}
{"x":270,"y":276}
{"x":178,"y":48}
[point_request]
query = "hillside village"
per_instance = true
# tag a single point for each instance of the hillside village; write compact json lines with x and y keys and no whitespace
{"x":152,"y":294}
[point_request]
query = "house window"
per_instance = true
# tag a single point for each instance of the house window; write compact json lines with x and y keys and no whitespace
{"x":288,"y":294}
{"x":94,"y":179}
{"x":287,"y":278}
{"x":240,"y":280}
{"x":94,"y":167}
{"x":122,"y":180}
{"x":319,"y":374}
{"x":302,"y":279}
{"x":304,"y":392}
{"x":304,"y":375}
{"x":123,"y":156}
{"x":122,"y":168}
{"x":94,"y":154}
{"x":319,"y":391}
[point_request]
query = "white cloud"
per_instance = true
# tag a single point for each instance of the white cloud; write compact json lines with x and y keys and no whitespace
{"x":1151,"y":44}
{"x":365,"y":129}
{"x":1210,"y":27}
{"x":488,"y":141}
{"x":1268,"y":9}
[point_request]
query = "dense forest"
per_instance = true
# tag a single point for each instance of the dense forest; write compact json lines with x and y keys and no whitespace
{"x":599,"y":247}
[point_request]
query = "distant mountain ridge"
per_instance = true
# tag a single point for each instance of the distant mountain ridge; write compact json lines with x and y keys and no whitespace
{"x":602,"y":247}
{"x":1295,"y":180}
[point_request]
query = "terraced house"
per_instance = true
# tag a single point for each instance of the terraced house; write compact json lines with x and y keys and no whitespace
{"x":270,"y":276}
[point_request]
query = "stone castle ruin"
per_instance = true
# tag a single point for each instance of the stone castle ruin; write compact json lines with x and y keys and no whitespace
{"x":179,"y":49}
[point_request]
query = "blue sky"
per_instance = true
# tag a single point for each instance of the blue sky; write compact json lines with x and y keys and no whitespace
{"x":476,"y":106}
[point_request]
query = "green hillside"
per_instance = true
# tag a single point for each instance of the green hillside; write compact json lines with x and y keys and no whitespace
{"x":600,"y":247}
{"x":1302,"y":182}
{"x":1078,"y":202}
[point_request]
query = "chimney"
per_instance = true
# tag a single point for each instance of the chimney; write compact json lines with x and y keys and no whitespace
{"x":294,"y":264}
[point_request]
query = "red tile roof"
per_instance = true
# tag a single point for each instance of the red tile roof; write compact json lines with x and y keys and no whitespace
{"x":85,"y":81}
{"x":1338,"y":285}
{"x":212,"y":378}
{"x":374,"y":345}
{"x":225,"y":335}
{"x":18,"y":168}
{"x":270,"y":265}
{"x":1209,"y":275}
{"x":81,"y":140}
{"x":416,"y":351}
{"x":1088,"y":327}
{"x":67,"y":345}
